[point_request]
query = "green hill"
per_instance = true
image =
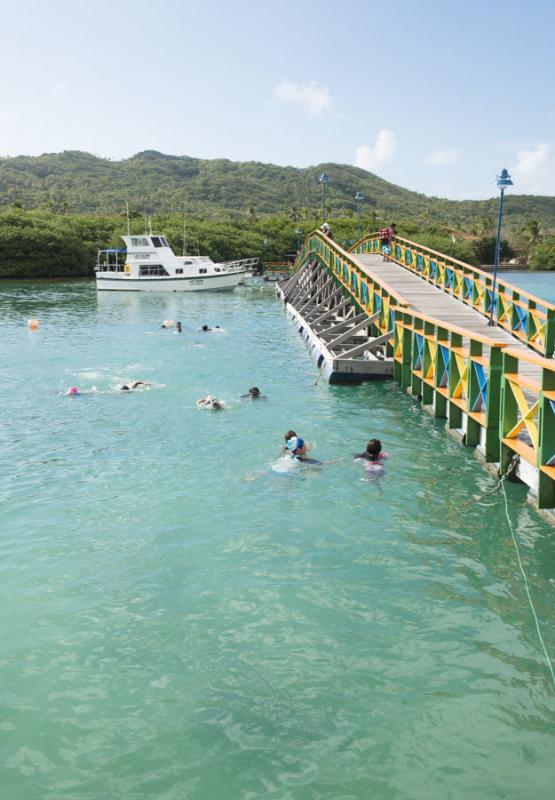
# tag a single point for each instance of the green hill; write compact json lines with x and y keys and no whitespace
{"x":80,"y":183}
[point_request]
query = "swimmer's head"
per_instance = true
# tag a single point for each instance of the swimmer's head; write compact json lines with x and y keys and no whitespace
{"x":125,"y":388}
{"x":289,"y":435}
{"x":254,"y":392}
{"x":374,"y":448}
{"x":205,"y":328}
{"x":72,"y":390}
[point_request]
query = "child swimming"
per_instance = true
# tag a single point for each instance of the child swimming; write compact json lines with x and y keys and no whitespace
{"x":295,"y":446}
{"x":373,"y":452}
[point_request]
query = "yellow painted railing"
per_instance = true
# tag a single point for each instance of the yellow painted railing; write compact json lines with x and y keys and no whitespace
{"x":527,"y":317}
{"x":476,"y":382}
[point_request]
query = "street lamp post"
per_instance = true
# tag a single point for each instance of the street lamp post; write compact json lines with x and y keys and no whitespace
{"x":299,"y":233}
{"x":324,"y":180}
{"x":359,"y":197}
{"x":502,"y":180}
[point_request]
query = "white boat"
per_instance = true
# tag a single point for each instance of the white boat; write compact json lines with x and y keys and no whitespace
{"x":148,"y":264}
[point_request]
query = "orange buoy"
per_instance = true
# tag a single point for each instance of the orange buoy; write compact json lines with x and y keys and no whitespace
{"x":33,"y":324}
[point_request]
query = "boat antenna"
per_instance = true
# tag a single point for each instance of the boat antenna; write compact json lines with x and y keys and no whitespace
{"x":198,"y":247}
{"x":184,"y":236}
{"x":127,"y":211}
{"x":150,"y":225}
{"x":146,"y":222}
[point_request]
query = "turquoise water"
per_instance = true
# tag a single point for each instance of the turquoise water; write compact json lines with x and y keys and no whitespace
{"x":178,"y":621}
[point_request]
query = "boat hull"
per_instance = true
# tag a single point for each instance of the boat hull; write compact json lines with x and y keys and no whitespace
{"x":209,"y":283}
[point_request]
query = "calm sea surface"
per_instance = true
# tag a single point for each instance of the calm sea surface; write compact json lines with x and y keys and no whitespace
{"x":179,"y":621}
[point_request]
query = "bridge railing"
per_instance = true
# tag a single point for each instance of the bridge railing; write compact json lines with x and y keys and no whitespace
{"x":500,"y":397}
{"x":528,"y":418}
{"x":455,"y":372}
{"x":369,"y":295}
{"x":527,"y":317}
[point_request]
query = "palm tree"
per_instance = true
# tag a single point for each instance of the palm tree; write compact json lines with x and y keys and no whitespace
{"x":532,"y":231}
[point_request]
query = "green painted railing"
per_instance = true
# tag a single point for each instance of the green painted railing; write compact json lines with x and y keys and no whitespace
{"x":529,"y":318}
{"x":528,"y":418}
{"x":369,"y":295}
{"x":473,"y":381}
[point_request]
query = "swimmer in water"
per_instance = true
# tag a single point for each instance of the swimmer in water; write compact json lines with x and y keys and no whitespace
{"x":210,"y":402}
{"x":373,"y":452}
{"x":129,"y":387}
{"x":178,"y":328}
{"x":205,"y":329}
{"x":253,"y":394}
{"x":73,"y":390}
{"x":295,"y":446}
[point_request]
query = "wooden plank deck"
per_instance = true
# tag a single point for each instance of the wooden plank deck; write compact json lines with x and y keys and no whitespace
{"x":433,"y":302}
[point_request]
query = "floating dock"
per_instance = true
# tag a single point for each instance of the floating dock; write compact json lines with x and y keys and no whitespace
{"x":336,"y":332}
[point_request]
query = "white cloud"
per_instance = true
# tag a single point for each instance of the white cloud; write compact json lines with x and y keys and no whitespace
{"x":440,"y":158}
{"x":311,"y":96}
{"x":534,"y":172}
{"x":5,"y":116}
{"x":372,"y":156}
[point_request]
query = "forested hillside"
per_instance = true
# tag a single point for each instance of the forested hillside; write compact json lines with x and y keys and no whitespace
{"x":80,"y":183}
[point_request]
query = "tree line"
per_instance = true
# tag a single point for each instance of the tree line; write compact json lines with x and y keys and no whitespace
{"x":42,"y":244}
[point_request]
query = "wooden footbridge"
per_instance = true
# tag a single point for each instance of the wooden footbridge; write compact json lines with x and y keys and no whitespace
{"x":423,"y":318}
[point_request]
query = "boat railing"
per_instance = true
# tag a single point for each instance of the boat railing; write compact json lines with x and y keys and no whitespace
{"x":242,"y":265}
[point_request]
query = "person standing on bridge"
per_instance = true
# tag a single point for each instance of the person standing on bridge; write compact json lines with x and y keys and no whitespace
{"x":326,"y":230}
{"x":386,"y":237}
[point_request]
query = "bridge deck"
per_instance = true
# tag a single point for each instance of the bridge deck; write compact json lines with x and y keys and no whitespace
{"x":433,"y":302}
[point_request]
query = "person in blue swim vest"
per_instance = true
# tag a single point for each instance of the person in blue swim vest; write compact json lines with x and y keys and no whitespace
{"x":295,"y":445}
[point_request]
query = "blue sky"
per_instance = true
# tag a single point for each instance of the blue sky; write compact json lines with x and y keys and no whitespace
{"x":434,"y":96}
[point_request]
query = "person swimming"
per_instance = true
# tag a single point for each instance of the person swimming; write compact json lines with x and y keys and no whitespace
{"x":178,"y":328}
{"x":133,"y":385}
{"x":373,"y":452}
{"x":253,"y":394}
{"x":295,"y":446}
{"x":205,"y":329}
{"x":73,"y":390}
{"x":210,"y":402}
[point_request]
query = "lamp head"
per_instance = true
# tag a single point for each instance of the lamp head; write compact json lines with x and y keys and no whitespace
{"x":503,"y":179}
{"x":324,"y":178}
{"x":299,"y":231}
{"x":359,"y":197}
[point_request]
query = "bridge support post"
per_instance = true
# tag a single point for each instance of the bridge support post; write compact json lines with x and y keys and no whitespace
{"x":546,"y":440}
{"x":417,"y":357}
{"x":441,"y":376}
{"x":549,"y":333}
{"x":494,"y":405}
{"x":454,"y":412}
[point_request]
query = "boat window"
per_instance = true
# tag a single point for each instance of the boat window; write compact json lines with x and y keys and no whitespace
{"x":179,"y":271}
{"x":164,"y":241}
{"x":156,"y":241}
{"x":217,"y":269}
{"x":202,"y":271}
{"x":139,"y":241}
{"x":187,"y":262}
{"x":152,"y":269}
